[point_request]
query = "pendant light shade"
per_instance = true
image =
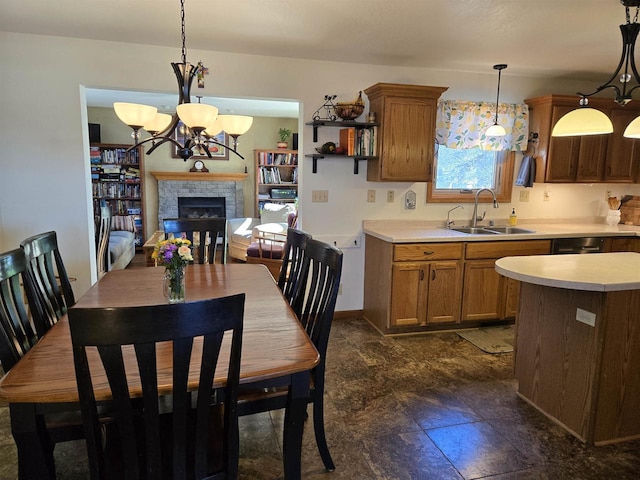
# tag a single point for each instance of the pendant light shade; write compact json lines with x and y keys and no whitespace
{"x":236,"y":124}
{"x":134,"y":114}
{"x":497,"y":130}
{"x":159,"y":123}
{"x":633,"y":129}
{"x":582,"y":121}
{"x":197,"y":115}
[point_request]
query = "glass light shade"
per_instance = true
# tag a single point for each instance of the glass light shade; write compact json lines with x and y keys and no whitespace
{"x":633,"y":129}
{"x":236,"y":124}
{"x":582,"y":121}
{"x":495,"y":131}
{"x":215,"y":128}
{"x":159,"y":123}
{"x":134,"y":114}
{"x":197,"y":115}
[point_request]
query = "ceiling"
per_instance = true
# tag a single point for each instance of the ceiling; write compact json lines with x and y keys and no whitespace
{"x":548,"y":38}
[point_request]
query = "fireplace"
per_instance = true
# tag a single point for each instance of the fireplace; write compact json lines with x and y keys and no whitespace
{"x":201,"y":207}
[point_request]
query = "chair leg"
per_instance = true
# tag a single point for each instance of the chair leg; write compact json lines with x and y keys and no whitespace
{"x":318,"y":428}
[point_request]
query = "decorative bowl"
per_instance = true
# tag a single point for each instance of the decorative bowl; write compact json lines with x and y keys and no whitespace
{"x":349,"y":111}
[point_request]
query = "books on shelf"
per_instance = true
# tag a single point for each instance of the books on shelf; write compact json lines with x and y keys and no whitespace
{"x":358,"y":141}
{"x":270,"y":175}
{"x":275,"y":158}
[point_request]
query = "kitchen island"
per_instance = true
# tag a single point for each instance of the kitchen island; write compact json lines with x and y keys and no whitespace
{"x":577,"y":349}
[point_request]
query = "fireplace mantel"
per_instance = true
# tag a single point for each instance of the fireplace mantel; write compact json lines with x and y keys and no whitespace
{"x":202,"y":176}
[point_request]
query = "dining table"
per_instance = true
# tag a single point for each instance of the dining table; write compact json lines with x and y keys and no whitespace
{"x":275,"y":348}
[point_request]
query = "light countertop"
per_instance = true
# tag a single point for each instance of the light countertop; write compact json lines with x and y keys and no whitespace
{"x":398,"y":231}
{"x":604,"y":272}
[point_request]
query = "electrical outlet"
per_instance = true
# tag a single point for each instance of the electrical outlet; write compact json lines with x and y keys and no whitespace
{"x":390,"y":196}
{"x":524,"y":195}
{"x":371,"y":196}
{"x":546,"y":196}
{"x":320,"y":196}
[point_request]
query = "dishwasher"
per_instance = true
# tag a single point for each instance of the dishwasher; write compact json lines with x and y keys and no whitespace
{"x":577,"y":245}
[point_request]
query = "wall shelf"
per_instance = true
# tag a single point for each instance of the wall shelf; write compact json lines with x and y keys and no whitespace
{"x":356,"y":160}
{"x":337,"y":123}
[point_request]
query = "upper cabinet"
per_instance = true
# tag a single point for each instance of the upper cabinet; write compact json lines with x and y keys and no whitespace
{"x":406,"y":140}
{"x":586,"y":159}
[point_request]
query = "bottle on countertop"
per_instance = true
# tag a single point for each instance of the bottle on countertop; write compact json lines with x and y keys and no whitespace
{"x":513,"y":218}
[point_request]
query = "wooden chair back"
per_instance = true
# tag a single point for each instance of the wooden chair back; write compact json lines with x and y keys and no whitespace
{"x":150,"y":444}
{"x":211,"y":238}
{"x":49,"y":274}
{"x":102,"y":247}
{"x":292,"y":257}
{"x":17,"y":333}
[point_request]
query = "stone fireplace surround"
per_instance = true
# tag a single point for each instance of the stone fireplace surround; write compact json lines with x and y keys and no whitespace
{"x":172,"y":185}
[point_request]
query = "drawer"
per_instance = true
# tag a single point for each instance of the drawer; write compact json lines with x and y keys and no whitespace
{"x":412,"y":252}
{"x":478,"y":250}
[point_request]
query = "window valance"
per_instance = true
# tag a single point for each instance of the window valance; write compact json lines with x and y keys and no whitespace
{"x":461,"y":124}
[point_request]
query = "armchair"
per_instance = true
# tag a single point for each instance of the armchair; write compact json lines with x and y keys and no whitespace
{"x":245,"y":231}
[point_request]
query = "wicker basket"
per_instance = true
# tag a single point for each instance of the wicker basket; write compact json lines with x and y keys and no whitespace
{"x":349,"y":111}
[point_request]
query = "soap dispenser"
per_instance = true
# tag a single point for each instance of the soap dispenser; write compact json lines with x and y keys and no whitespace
{"x":513,"y":218}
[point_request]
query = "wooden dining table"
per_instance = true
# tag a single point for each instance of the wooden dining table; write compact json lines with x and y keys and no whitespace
{"x":275,"y":348}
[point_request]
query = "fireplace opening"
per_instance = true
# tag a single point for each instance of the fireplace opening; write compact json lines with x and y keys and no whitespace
{"x":201,"y":207}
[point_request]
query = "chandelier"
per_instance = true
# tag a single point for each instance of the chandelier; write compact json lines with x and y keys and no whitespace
{"x":589,"y":121}
{"x":199,"y":123}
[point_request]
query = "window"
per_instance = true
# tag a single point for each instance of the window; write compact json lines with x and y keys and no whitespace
{"x":459,"y":173}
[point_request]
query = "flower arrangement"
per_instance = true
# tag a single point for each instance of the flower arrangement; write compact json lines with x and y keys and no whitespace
{"x":174,"y":254}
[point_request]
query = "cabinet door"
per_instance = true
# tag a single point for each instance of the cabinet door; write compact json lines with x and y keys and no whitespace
{"x":622,"y":153}
{"x":443,"y":304}
{"x":483,"y":296}
{"x":407,"y":149}
{"x":408,"y":294}
{"x":562,"y":160}
{"x":591,"y":158}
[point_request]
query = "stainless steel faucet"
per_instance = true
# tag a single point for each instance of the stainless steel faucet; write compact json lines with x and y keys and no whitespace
{"x":451,"y":222}
{"x":475,"y":218}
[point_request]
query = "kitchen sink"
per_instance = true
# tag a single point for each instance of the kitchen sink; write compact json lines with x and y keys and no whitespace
{"x":491,"y":230}
{"x":474,"y":230}
{"x":510,"y":230}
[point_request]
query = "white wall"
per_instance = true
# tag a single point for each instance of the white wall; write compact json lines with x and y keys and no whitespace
{"x":44,"y":177}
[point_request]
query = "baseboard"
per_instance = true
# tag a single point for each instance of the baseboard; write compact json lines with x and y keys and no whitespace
{"x":347,"y":314}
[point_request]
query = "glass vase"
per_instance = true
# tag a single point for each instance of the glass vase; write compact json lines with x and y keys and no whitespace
{"x":174,"y":285}
{"x":613,"y":217}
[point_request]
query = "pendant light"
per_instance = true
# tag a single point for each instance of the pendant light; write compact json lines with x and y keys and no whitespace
{"x":201,"y":121}
{"x":496,"y":130}
{"x":589,"y":121}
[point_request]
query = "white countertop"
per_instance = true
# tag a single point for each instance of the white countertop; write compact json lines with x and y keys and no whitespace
{"x":398,"y":231}
{"x":604,"y":272}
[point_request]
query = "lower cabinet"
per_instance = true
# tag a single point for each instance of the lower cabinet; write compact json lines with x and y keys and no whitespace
{"x":427,"y":286}
{"x":424,"y":293}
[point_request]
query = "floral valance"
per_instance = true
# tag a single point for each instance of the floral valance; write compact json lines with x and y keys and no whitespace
{"x":461,"y":124}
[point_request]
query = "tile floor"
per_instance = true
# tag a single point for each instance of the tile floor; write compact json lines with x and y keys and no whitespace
{"x":413,"y":407}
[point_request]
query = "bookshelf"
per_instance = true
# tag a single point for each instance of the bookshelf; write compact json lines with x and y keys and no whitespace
{"x":276,"y":177}
{"x":117,"y":180}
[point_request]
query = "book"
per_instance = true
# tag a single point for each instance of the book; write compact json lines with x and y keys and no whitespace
{"x":348,"y":140}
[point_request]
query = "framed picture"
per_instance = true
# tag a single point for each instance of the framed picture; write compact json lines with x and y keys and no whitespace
{"x":218,"y":152}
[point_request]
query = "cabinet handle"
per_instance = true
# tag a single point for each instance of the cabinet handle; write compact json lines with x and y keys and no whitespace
{"x":428,"y":252}
{"x":433,"y":275}
{"x":421,"y":275}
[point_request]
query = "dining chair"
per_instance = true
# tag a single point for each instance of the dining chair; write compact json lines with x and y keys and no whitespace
{"x":292,"y":257}
{"x":211,"y":236}
{"x":20,"y":330}
{"x":49,"y":274}
{"x":102,"y":246}
{"x":314,"y":300}
{"x":150,"y":350}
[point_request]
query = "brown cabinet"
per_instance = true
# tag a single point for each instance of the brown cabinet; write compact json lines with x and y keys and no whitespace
{"x":588,"y":159}
{"x":406,"y":139}
{"x":487,"y":295}
{"x":427,"y":286}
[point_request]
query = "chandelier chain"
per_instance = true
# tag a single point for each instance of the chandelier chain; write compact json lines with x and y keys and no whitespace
{"x":184,"y":36}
